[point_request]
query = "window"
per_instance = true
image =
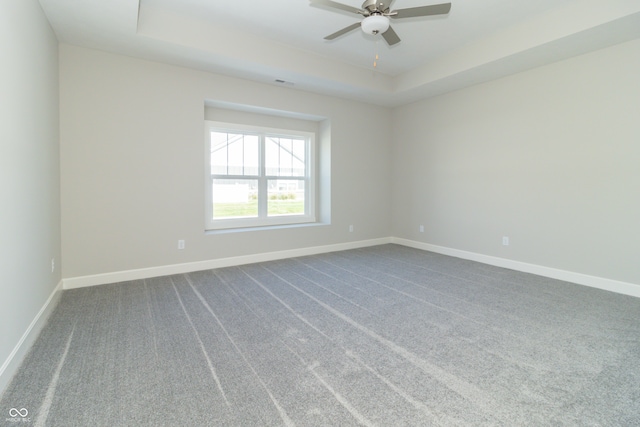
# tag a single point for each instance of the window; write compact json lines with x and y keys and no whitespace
{"x":258,"y":176}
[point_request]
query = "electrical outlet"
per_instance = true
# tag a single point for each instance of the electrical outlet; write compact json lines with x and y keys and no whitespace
{"x":422,"y":228}
{"x":180,"y":244}
{"x":351,"y":229}
{"x":53,"y":265}
{"x":505,"y":240}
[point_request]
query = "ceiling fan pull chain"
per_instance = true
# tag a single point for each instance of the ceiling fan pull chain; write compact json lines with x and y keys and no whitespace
{"x":376,"y":57}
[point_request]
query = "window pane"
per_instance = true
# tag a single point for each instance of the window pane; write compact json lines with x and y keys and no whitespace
{"x":235,"y":198}
{"x":234,"y":154}
{"x":218,"y":153}
{"x":285,"y":156}
{"x":236,"y":151}
{"x":285,"y":197}
{"x":272,"y":156}
{"x":299,"y":154}
{"x":251,"y":155}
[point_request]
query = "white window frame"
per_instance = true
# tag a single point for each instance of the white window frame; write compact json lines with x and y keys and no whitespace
{"x":263,"y":220}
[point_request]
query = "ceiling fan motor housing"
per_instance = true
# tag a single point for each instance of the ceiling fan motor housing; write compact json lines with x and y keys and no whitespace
{"x":375,"y":6}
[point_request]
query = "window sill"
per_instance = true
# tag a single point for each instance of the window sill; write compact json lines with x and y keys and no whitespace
{"x":263,"y":228}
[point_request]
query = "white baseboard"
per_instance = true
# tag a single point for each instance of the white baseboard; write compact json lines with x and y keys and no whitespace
{"x":165,"y":270}
{"x":567,"y":276}
{"x":11,"y":365}
{"x":145,"y":273}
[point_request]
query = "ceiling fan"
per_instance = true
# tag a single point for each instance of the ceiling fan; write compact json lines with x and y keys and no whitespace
{"x":377,"y":14}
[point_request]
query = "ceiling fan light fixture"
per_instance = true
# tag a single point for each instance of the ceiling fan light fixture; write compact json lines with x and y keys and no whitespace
{"x":375,"y":24}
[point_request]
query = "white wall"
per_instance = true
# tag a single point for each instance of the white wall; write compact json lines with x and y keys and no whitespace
{"x":133,"y":169}
{"x":29,"y":172}
{"x":549,"y":157}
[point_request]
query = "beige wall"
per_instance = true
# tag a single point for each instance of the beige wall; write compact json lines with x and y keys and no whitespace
{"x":29,"y":171}
{"x":133,"y":169}
{"x":549,"y":157}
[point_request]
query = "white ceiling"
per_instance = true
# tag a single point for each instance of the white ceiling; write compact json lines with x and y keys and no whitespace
{"x":477,"y":41}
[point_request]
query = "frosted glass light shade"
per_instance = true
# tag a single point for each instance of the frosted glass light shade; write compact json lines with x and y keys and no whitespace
{"x":375,"y":24}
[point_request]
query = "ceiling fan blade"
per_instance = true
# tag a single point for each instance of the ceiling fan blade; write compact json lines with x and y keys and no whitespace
{"x":343,"y":31}
{"x":391,"y":37}
{"x":336,"y":5}
{"x":436,"y":9}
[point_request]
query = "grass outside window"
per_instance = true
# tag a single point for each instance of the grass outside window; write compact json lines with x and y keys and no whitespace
{"x":250,"y":209}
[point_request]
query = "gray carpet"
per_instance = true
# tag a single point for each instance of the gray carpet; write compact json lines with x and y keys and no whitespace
{"x":384,"y":336}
